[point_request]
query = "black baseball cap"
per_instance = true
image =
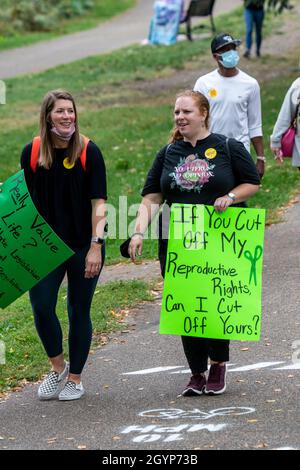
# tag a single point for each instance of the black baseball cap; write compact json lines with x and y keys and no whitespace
{"x":223,"y":39}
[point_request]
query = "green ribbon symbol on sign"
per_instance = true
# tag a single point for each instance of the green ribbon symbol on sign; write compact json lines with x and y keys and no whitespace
{"x":253,"y":260}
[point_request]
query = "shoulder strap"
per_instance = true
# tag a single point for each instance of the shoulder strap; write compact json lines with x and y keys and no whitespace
{"x":294,"y":121}
{"x":228,"y":148}
{"x":83,"y":153}
{"x":34,"y":156}
{"x":166,"y":151}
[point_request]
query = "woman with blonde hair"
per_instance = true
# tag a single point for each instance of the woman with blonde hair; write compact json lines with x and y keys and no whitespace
{"x":65,"y":174}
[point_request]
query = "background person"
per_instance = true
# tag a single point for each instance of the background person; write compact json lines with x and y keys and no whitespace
{"x":71,"y":199}
{"x":290,"y":109}
{"x":223,"y":180}
{"x":254,"y":15}
{"x":234,"y":98}
{"x":164,"y":24}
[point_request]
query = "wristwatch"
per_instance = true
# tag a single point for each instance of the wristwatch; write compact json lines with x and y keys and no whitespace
{"x":232,"y":196}
{"x":97,"y":240}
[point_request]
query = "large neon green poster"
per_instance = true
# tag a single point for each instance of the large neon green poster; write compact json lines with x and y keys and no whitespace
{"x":29,"y":249}
{"x":213,"y":276}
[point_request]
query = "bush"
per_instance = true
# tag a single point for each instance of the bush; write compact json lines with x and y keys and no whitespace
{"x":39,"y":15}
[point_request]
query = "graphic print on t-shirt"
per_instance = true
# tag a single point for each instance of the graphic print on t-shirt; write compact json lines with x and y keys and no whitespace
{"x":192,"y":173}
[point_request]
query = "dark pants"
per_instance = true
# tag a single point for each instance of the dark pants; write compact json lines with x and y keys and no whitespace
{"x":253,"y":17}
{"x":197,"y":350}
{"x":43,"y":298}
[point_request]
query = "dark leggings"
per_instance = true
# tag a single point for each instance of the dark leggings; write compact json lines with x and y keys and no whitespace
{"x":197,"y":350}
{"x":43,"y":298}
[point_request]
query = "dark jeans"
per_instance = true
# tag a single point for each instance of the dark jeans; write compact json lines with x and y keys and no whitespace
{"x":43,"y":298}
{"x":253,"y":17}
{"x":197,"y":350}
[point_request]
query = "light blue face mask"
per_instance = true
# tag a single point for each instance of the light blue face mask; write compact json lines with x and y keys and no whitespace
{"x":230,"y":59}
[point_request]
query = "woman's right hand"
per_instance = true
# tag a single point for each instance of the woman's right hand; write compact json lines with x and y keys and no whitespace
{"x":277,"y":154}
{"x":135,"y":246}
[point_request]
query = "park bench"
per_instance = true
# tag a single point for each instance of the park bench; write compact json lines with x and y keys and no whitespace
{"x":199,"y":8}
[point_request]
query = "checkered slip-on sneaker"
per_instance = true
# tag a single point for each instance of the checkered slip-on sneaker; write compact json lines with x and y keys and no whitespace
{"x":71,"y":391}
{"x":52,"y":384}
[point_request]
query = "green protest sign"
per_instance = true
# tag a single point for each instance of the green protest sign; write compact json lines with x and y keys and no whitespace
{"x":213,"y":276}
{"x":29,"y":249}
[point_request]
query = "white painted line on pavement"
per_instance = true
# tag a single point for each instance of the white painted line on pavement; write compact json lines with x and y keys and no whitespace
{"x":152,"y":371}
{"x":187,"y":371}
{"x":258,"y":365}
{"x":184,"y":371}
{"x":289,"y":367}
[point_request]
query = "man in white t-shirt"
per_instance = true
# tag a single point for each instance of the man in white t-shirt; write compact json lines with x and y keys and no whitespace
{"x":234,"y":98}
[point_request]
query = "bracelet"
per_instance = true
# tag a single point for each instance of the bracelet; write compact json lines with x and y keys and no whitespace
{"x":232,"y":196}
{"x":262,"y":158}
{"x":138,"y":233}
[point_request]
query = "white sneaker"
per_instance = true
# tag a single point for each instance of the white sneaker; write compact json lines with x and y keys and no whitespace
{"x":71,"y":391}
{"x":52,"y":384}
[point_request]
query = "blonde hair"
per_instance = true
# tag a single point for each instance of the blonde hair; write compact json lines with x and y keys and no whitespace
{"x":75,"y":145}
{"x":203,"y":105}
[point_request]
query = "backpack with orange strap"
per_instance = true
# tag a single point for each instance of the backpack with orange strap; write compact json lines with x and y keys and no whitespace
{"x":34,"y":156}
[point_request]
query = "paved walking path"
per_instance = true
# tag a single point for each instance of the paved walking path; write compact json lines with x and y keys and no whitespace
{"x":126,"y":29}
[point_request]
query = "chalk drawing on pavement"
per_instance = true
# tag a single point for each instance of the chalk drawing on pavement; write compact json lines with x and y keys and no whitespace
{"x":179,"y":432}
{"x":175,"y":413}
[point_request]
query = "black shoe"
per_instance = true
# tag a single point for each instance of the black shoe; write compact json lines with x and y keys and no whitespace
{"x":257,"y":54}
{"x":247,"y":54}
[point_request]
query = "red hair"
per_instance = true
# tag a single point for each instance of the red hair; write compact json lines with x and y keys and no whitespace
{"x":203,"y":105}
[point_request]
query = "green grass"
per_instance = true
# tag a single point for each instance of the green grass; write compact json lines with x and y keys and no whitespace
{"x":25,"y":357}
{"x":101,"y":11}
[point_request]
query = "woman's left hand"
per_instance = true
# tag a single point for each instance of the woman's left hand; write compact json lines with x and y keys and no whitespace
{"x":222,"y":203}
{"x":93,"y":261}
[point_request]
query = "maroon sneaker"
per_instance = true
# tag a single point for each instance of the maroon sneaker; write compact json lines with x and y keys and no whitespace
{"x":195,"y":386}
{"x":216,"y":382}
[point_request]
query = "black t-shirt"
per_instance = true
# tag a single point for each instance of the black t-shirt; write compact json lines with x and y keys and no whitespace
{"x":254,"y":4}
{"x":63,"y":196}
{"x":200,"y":174}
